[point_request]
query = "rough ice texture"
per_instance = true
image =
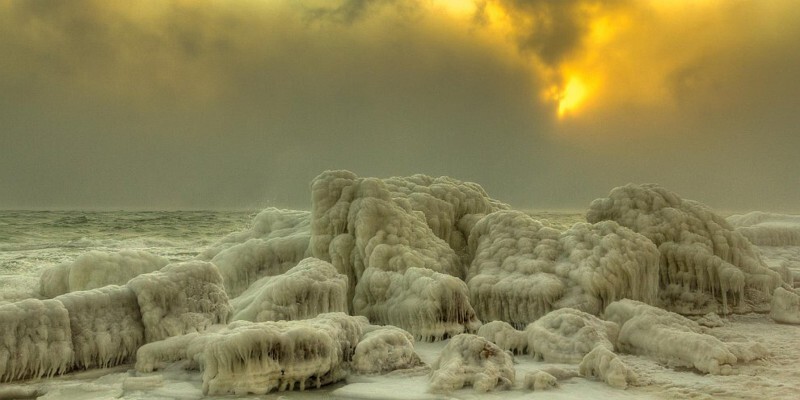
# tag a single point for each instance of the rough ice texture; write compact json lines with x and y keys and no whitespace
{"x":400,"y":241}
{"x":540,"y":380}
{"x":276,"y":242}
{"x":768,"y":229}
{"x":504,"y":335}
{"x":704,"y":261}
{"x":34,"y":339}
{"x":523,"y":269}
{"x":106,"y":326}
{"x":668,"y":337}
{"x":180,"y":298}
{"x":384,"y":349}
{"x":604,"y":364}
{"x":97,"y":269}
{"x":785,"y":306}
{"x":566,"y":335}
{"x":311,"y":288}
{"x":472,"y":360}
{"x":249,"y":357}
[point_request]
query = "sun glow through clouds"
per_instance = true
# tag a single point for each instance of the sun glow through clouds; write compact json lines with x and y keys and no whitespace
{"x":571,"y":97}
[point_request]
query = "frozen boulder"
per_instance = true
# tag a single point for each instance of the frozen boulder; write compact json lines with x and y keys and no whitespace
{"x":472,"y":360}
{"x":504,"y":335}
{"x":384,"y":349}
{"x":311,"y":288}
{"x":701,"y":254}
{"x":540,"y":380}
{"x":604,"y":364}
{"x":96,"y":269}
{"x":522,"y":269}
{"x":566,"y":335}
{"x":785,"y":306}
{"x":180,"y":298}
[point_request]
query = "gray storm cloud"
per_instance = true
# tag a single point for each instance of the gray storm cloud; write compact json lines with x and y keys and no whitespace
{"x":239,"y":105}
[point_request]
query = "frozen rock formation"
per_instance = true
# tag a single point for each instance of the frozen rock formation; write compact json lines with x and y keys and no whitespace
{"x":35,"y":339}
{"x":540,"y":380}
{"x":604,"y":364}
{"x":105,"y":325}
{"x":399,"y":242}
{"x":276,"y":242}
{"x":566,"y":335}
{"x":668,"y":337}
{"x":311,"y":288}
{"x":384,"y":349}
{"x":472,"y":360}
{"x":702,"y":257}
{"x":97,"y":269}
{"x":768,"y":229}
{"x":249,"y":357}
{"x":785,"y":306}
{"x":504,"y":335}
{"x":180,"y":298}
{"x":523,"y":269}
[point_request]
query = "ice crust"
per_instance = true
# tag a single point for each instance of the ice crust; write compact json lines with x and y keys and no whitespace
{"x":384,"y":349}
{"x":523,"y":269}
{"x":472,"y":360}
{"x":401,"y":243}
{"x":768,"y":229}
{"x":702,"y":257}
{"x":566,"y":335}
{"x":785,"y":306}
{"x":311,"y":288}
{"x":96,"y":269}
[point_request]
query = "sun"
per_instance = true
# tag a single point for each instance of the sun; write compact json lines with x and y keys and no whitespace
{"x":571,"y":96}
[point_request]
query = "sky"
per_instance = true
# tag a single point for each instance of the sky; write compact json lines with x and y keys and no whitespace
{"x":548,"y":104}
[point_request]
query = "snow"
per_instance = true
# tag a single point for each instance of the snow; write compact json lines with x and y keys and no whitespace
{"x":472,"y":360}
{"x":311,"y":288}
{"x":180,"y":298}
{"x":523,"y":269}
{"x":96,"y":269}
{"x":705,"y":263}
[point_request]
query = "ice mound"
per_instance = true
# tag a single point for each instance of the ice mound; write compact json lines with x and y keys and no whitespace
{"x":276,"y":242}
{"x":472,"y":360}
{"x":249,"y":357}
{"x":384,"y":349}
{"x":311,"y":288}
{"x":35,"y":339}
{"x":540,"y":380}
{"x":522,"y":269}
{"x":180,"y":298}
{"x":105,"y":324}
{"x":398,"y":241}
{"x":566,"y":335}
{"x":785,"y":306}
{"x":668,"y":337}
{"x":96,"y":269}
{"x":703,"y":259}
{"x":505,"y":336}
{"x":768,"y":229}
{"x":604,"y":364}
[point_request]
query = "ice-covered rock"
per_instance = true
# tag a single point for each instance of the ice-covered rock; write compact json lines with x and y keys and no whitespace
{"x":387,"y":237}
{"x":523,"y":269}
{"x":785,"y":306}
{"x":276,"y":242}
{"x":504,"y":335}
{"x":105,"y":324}
{"x":540,"y":380}
{"x":180,"y":298}
{"x":311,"y":288}
{"x":566,"y":335}
{"x":472,"y":360}
{"x":259,"y":357}
{"x":701,"y":254}
{"x":604,"y":364}
{"x":96,"y":269}
{"x":384,"y":349}
{"x":35,"y":339}
{"x":668,"y":337}
{"x":768,"y":229}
